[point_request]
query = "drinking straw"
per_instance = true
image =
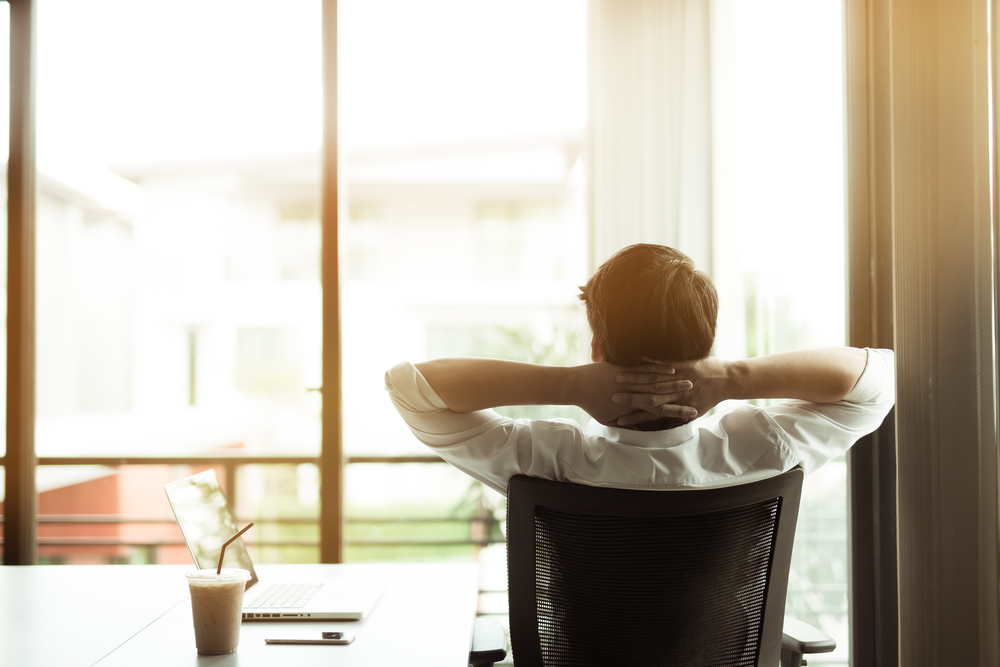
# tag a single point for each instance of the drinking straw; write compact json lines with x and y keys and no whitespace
{"x":228,"y":542}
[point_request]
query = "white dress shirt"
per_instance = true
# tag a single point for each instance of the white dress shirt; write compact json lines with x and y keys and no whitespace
{"x":738,"y":444}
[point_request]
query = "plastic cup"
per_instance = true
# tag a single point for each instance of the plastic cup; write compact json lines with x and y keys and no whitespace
{"x":217,"y":608}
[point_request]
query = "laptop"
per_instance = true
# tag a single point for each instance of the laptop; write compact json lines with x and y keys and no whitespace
{"x":203,"y":516}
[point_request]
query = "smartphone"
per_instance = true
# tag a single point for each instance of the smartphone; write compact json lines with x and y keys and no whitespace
{"x":318,"y":638}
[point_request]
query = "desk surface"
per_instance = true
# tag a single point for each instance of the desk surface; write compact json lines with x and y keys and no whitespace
{"x":77,"y":614}
{"x":425,"y":617}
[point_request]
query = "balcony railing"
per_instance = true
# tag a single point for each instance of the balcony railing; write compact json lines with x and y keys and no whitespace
{"x":481,"y":525}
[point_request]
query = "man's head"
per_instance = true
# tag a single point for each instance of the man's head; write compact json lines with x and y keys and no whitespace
{"x":649,"y":301}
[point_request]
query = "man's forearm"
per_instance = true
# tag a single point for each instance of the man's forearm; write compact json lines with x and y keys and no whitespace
{"x":468,"y":384}
{"x":819,"y":376}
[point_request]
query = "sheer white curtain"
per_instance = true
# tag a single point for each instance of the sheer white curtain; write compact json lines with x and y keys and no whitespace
{"x":661,"y":137}
{"x":716,"y":127}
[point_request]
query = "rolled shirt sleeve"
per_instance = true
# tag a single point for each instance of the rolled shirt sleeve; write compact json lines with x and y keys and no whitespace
{"x":484,"y":444}
{"x":820,"y":432}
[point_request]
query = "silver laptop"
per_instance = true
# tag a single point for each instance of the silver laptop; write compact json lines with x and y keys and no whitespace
{"x":205,"y":522}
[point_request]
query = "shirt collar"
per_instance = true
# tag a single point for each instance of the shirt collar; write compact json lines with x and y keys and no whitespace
{"x":669,"y":438}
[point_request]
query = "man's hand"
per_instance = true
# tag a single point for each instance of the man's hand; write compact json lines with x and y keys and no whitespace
{"x":643,"y":388}
{"x":596,"y":387}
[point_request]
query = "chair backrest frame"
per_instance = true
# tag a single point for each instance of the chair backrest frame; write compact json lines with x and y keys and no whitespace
{"x":527,"y":493}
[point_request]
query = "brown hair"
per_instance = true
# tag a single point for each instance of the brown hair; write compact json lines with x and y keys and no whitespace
{"x":649,"y":301}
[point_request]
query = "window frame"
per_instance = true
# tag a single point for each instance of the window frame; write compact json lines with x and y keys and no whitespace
{"x":331,"y":473}
{"x":20,"y":501}
{"x":872,"y":577}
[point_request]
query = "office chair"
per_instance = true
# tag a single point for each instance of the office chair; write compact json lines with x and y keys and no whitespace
{"x":601,"y":576}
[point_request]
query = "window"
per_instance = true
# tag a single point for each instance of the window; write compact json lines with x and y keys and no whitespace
{"x":178,"y":250}
{"x":465,"y":234}
{"x":791,"y":234}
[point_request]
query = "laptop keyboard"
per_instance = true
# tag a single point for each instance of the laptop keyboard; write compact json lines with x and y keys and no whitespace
{"x":284,"y":596}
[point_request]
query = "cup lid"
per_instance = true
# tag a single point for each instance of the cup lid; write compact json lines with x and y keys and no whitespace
{"x":228,"y":575}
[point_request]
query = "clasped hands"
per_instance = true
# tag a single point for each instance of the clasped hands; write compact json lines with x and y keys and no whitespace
{"x":630,"y":396}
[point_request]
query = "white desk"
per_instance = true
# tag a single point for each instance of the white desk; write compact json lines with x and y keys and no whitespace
{"x":76,"y":614}
{"x":425,"y":617}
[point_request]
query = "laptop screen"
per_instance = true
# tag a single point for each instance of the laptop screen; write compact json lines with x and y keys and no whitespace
{"x":205,"y":522}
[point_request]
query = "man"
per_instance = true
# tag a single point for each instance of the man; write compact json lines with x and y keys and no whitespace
{"x":653,"y":319}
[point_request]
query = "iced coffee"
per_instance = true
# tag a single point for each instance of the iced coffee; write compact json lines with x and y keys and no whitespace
{"x":217,"y":608}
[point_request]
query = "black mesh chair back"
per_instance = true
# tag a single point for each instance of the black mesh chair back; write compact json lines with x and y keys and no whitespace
{"x":602,"y":576}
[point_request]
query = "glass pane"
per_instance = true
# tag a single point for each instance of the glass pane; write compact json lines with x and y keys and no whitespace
{"x":283,"y":503}
{"x":465,"y":228}
{"x":106,"y":514}
{"x":790,"y":193}
{"x":179,"y":299}
{"x":419,"y":512}
{"x":464,"y":235}
{"x":119,"y":514}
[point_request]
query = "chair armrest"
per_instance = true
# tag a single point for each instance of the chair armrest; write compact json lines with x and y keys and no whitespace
{"x":799,"y":637}
{"x":489,"y":642}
